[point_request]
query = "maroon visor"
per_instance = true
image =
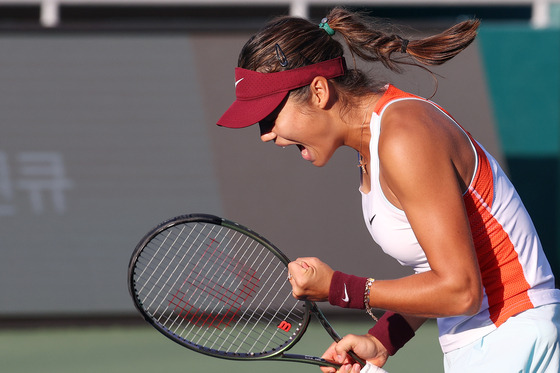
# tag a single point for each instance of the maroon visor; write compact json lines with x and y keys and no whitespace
{"x":258,"y":94}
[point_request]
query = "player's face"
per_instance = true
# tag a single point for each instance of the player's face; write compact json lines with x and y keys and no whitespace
{"x":303,"y":126}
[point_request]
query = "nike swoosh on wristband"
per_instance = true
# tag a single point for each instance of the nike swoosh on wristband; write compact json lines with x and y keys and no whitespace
{"x":371,"y":220}
{"x":345,"y":298}
{"x":237,"y":82}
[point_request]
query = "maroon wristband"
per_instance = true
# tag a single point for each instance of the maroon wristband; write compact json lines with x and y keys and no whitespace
{"x":347,"y":291}
{"x":393,"y":331}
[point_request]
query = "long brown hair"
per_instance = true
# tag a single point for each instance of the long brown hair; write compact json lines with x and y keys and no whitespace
{"x":290,"y":42}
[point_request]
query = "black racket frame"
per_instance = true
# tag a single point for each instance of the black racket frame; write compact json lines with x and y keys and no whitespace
{"x":276,"y":354}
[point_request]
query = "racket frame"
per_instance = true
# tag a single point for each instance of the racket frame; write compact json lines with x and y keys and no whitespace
{"x":277,"y":354}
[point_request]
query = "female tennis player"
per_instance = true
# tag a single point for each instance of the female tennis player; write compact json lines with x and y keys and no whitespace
{"x":432,"y":196}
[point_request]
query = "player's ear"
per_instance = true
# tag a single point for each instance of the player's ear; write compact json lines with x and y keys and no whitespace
{"x":321,"y":92}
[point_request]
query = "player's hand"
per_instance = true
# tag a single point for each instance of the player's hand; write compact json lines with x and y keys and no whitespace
{"x":347,"y":365}
{"x":310,"y":279}
{"x":366,"y":347}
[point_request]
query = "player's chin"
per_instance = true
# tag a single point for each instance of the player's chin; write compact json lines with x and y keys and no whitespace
{"x":320,"y":161}
{"x":317,"y":159}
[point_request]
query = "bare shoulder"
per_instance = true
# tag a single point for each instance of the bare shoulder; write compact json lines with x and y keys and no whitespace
{"x":417,"y":123}
{"x":408,"y":125}
{"x":413,"y":115}
{"x":418,"y":139}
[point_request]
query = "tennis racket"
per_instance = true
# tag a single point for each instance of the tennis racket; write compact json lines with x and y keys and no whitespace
{"x":218,"y":288}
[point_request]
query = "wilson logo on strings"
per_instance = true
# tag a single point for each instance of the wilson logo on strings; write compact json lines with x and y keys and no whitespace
{"x":285,"y":326}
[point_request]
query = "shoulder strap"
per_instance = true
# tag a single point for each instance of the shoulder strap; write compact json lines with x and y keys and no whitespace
{"x":391,"y":94}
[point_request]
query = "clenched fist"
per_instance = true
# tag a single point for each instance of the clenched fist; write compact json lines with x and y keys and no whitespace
{"x":310,"y":279}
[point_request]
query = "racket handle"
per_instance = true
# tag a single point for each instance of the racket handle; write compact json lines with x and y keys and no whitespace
{"x":323,"y":320}
{"x":357,"y":359}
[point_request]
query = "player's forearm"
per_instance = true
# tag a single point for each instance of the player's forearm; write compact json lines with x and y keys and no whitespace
{"x":426,"y":295}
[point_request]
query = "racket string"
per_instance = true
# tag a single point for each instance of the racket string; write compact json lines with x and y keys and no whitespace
{"x":243,"y":291}
{"x":170,"y":247}
{"x":258,"y":314}
{"x":252,"y":325}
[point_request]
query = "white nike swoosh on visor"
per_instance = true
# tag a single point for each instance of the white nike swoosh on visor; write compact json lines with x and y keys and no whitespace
{"x":237,"y":82}
{"x":345,"y":299}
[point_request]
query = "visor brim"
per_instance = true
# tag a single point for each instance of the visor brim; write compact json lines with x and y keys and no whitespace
{"x":243,"y":113}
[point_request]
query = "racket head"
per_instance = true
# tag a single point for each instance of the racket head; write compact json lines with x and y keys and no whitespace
{"x":216,"y":287}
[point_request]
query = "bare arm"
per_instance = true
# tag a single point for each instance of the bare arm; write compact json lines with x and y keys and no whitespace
{"x":423,"y":164}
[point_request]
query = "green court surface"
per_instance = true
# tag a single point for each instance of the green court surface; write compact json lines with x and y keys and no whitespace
{"x":141,"y":349}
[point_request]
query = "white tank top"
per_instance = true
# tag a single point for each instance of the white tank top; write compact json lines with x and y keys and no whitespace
{"x":515,"y":272}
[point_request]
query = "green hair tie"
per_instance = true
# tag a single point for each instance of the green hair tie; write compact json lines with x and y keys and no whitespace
{"x":325,"y":26}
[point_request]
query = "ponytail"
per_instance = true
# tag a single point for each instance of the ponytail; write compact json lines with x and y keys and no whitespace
{"x":369,"y":43}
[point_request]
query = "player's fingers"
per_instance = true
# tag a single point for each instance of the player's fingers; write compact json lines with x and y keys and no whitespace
{"x":363,"y":346}
{"x":311,"y":278}
{"x":297,"y":276}
{"x":344,"y":345}
{"x":297,"y":268}
{"x":328,"y":369}
{"x":303,"y":263}
{"x":348,"y":343}
{"x":329,"y":355}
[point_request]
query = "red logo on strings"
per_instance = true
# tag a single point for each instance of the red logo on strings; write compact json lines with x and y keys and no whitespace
{"x":201,"y":283}
{"x":285,"y":326}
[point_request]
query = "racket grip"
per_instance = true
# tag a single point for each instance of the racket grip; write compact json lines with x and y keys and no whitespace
{"x":357,"y":359}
